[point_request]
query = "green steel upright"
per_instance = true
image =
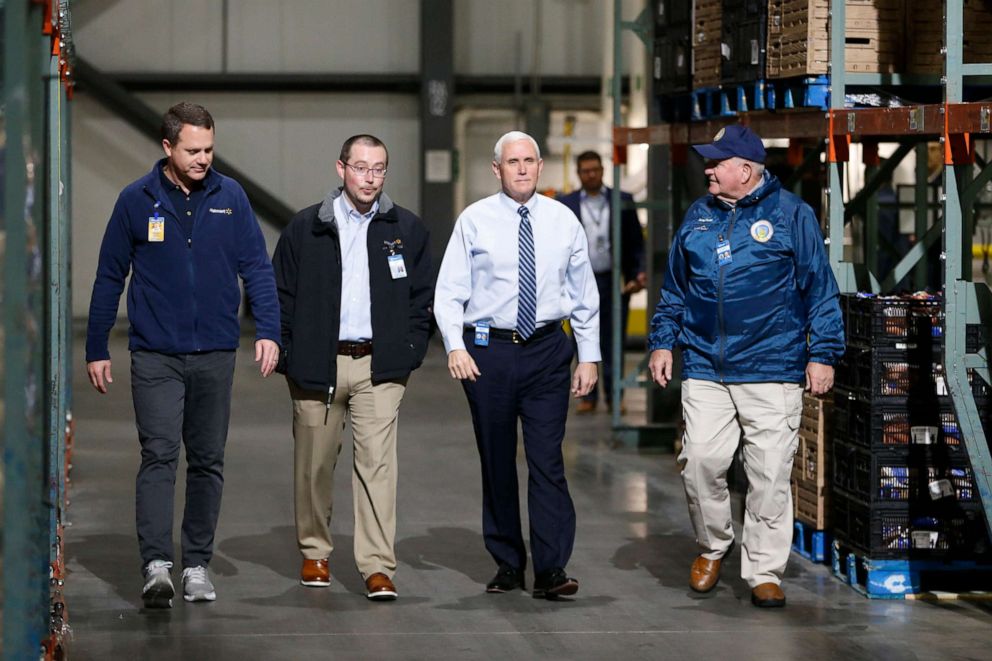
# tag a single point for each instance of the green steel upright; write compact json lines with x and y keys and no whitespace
{"x":962,"y":298}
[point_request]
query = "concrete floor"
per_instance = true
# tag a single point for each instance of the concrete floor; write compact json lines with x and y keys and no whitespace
{"x":631,"y":557}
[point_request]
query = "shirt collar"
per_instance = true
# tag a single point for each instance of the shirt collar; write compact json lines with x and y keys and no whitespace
{"x":583,"y":195}
{"x":354,"y":214}
{"x":509,"y":202}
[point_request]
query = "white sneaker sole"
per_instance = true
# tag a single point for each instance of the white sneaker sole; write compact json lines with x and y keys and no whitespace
{"x":315,"y":584}
{"x":209,"y":596}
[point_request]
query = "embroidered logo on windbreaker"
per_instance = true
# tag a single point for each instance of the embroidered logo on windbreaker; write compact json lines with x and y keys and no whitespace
{"x":762,"y":231}
{"x":229,"y":211}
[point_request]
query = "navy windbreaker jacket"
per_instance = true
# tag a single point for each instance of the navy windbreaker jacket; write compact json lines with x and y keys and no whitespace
{"x":765,"y":313}
{"x":184,"y":295}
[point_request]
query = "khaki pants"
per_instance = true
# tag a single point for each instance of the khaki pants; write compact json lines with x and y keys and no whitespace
{"x":716,"y":414}
{"x":374,"y":410}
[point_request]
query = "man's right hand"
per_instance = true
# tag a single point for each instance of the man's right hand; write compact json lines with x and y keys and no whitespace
{"x":99,"y":371}
{"x":461,"y":366}
{"x":660,"y":365}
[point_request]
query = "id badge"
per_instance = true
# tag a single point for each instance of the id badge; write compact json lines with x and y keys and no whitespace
{"x":156,"y":229}
{"x":723,"y":256}
{"x":482,"y":334}
{"x":397,"y":268}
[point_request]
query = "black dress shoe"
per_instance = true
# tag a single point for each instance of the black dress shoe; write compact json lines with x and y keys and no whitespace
{"x":553,"y":584}
{"x":506,"y":579}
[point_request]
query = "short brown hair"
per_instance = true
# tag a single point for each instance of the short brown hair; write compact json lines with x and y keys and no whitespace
{"x":362,"y":139}
{"x":181,"y":114}
{"x":588,"y":156}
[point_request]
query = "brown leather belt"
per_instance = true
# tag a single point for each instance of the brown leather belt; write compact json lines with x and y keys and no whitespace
{"x":354,"y":349}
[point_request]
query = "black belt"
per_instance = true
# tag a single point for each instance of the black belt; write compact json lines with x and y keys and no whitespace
{"x":504,"y":335}
{"x":354,"y":349}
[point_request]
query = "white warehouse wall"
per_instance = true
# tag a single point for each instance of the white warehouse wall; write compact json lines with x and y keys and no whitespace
{"x":288,"y":142}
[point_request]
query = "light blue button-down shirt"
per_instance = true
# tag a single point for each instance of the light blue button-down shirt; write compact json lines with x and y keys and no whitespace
{"x":478,"y":280}
{"x":356,"y":297}
{"x":595,"y":211}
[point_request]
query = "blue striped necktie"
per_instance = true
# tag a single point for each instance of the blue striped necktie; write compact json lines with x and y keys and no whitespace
{"x":527,"y":301}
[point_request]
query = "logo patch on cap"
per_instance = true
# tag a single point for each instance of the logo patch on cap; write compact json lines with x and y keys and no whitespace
{"x":762,"y":231}
{"x":719,"y":135}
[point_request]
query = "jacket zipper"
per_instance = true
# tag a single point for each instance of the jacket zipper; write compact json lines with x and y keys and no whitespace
{"x":719,"y":295}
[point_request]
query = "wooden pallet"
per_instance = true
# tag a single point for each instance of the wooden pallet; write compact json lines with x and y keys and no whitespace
{"x":925,"y":35}
{"x":810,"y":478}
{"x":799,"y":37}
{"x":707,"y":26}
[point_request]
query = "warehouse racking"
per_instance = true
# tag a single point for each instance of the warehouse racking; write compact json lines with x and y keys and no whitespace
{"x":815,"y":133}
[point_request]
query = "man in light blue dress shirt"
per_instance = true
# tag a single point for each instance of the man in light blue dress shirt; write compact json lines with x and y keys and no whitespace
{"x":517,"y":265}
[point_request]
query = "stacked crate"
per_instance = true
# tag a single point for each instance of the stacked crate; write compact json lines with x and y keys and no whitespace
{"x":902,"y":485}
{"x":925,"y":34}
{"x":799,"y":37}
{"x":672,"y":56}
{"x":810,"y":479}
{"x":744,"y":27}
{"x":707,"y":32}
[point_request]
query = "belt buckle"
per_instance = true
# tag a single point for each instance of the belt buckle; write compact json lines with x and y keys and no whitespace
{"x":515,"y":337}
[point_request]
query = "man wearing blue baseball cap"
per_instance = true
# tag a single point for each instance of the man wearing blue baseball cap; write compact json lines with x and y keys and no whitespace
{"x":752,"y":304}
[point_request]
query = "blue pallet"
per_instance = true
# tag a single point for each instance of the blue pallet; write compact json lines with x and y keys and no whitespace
{"x":899,"y":579}
{"x":801,"y":92}
{"x":743,"y":97}
{"x":811,"y":544}
{"x":706,"y":103}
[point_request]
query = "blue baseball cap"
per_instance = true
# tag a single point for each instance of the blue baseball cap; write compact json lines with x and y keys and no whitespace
{"x":734,"y":140}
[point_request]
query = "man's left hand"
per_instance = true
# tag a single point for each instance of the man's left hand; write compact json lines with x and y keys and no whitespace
{"x":266,"y":352}
{"x":584,"y":379}
{"x":819,"y":378}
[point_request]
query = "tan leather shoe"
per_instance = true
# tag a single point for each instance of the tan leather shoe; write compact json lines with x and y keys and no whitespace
{"x":380,"y":588}
{"x":768,"y":595}
{"x":705,"y":574}
{"x":315,"y":574}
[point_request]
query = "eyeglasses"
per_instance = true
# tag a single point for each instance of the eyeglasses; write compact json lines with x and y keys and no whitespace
{"x":362,"y":170}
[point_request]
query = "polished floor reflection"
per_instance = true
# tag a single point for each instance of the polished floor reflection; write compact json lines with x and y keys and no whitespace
{"x":631,"y":557}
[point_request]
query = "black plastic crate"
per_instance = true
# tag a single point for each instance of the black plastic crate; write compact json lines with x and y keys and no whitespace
{"x":744,"y":41}
{"x":904,"y":530}
{"x":894,"y":422}
{"x":672,"y":62}
{"x":890,"y":322}
{"x":917,"y":373}
{"x":918,"y":473}
{"x":671,"y":12}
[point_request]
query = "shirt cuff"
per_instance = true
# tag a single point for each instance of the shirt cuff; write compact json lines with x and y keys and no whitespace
{"x":453,"y":343}
{"x":589,"y":352}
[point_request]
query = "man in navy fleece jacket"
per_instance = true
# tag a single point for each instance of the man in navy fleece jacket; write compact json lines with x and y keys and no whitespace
{"x":185,"y":233}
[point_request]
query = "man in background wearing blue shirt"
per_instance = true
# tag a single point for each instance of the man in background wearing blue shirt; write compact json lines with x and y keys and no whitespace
{"x":185,"y":233}
{"x":517,"y":265}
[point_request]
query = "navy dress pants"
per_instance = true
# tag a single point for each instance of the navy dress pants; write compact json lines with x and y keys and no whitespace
{"x":180,"y":399}
{"x":530,"y":383}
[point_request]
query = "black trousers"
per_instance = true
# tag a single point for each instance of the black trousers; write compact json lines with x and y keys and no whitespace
{"x":604,"y":282}
{"x":180,"y":398}
{"x":529,"y":383}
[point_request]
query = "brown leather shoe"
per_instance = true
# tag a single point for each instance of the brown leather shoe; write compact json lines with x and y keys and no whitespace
{"x":768,"y":595}
{"x":315,"y":574}
{"x":585,"y":406}
{"x":704,"y":574}
{"x":380,"y":588}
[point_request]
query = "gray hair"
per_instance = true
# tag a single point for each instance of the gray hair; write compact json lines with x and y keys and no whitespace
{"x":513,"y":136}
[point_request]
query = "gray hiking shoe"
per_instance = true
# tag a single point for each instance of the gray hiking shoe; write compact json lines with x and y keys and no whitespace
{"x":196,"y":585}
{"x":158,"y":590}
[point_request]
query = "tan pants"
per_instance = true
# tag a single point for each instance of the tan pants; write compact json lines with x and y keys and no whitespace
{"x":716,"y":414}
{"x":374,"y":411}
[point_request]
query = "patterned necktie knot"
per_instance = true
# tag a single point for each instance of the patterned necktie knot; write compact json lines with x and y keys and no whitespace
{"x":527,"y":299}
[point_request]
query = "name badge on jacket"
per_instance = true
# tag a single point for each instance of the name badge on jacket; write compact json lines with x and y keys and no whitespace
{"x":397,"y":267}
{"x":156,"y":229}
